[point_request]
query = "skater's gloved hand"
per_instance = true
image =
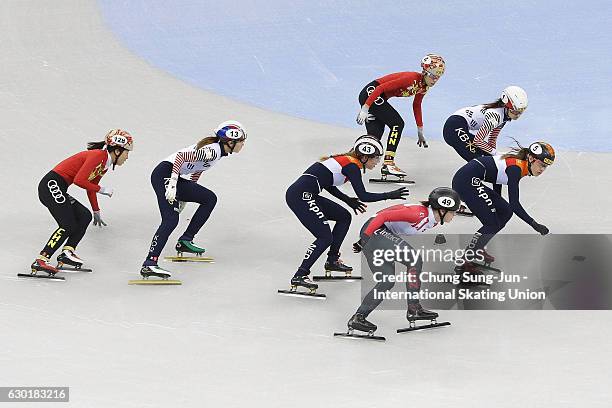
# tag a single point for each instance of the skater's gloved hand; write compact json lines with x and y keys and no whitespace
{"x":358,"y":246}
{"x":107,"y":191}
{"x":356,"y":205}
{"x":181,"y":206}
{"x":540,"y":228}
{"x":399,"y":194}
{"x":171,"y":188}
{"x":98,"y":219}
{"x":421,"y":142}
{"x":363,"y":115}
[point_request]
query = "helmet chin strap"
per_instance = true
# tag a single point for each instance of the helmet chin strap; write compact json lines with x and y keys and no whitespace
{"x":232,"y":146}
{"x":442,"y":215}
{"x":115,"y":159}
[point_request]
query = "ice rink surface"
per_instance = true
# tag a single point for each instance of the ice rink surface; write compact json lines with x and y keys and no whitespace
{"x":225,"y":338}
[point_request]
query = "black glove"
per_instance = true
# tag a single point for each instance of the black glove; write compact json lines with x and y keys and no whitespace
{"x":399,"y":194}
{"x":539,"y":228}
{"x":356,"y":205}
{"x":358,"y":246}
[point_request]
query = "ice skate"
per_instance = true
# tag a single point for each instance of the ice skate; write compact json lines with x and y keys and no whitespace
{"x":488,"y":258}
{"x":154,"y":270}
{"x":304,"y":282}
{"x":389,"y":168}
{"x":337,"y":266}
{"x":67,"y":260}
{"x":416,"y":312}
{"x":148,"y":271}
{"x":41,"y":265}
{"x":188,"y":247}
{"x":358,"y":322}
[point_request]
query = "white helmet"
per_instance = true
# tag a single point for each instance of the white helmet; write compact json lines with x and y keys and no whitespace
{"x":368,"y":145}
{"x":230,"y":130}
{"x":514,"y":98}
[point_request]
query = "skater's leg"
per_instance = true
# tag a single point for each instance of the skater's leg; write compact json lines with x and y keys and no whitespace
{"x":456,"y":135}
{"x":52,"y":194}
{"x":372,"y":247}
{"x":342,"y":218}
{"x":169,"y":213}
{"x":192,"y":192}
{"x":484,"y":204}
{"x":304,"y":205}
{"x":83,"y":217}
{"x":390,"y":117}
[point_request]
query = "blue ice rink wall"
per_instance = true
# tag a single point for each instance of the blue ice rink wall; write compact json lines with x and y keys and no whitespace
{"x":310,"y":59}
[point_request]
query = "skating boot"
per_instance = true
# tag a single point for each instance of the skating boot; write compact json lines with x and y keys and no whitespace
{"x":153,"y":270}
{"x":416,"y":312}
{"x":337,"y":266}
{"x":184,"y":246}
{"x":359,"y":322}
{"x":68,"y":257}
{"x":42,"y":265}
{"x":305,"y":282}
{"x":488,"y":258}
{"x":390,"y":169}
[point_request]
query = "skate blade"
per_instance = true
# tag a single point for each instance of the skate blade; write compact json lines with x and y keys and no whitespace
{"x":295,"y":293}
{"x":425,"y":326}
{"x":348,"y":278}
{"x":48,"y":277}
{"x":73,"y":269}
{"x":205,"y":259}
{"x":155,"y":282}
{"x":465,"y":213}
{"x":359,"y":336}
{"x":388,"y":181}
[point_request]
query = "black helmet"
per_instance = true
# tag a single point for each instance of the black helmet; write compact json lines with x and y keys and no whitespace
{"x":542,"y":151}
{"x":444,"y":198}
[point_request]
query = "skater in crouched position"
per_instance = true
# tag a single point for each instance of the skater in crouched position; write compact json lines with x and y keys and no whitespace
{"x":376,"y":111}
{"x":304,"y":199}
{"x":384,"y":232}
{"x":473,"y":131}
{"x":84,"y":169}
{"x":491,"y":209}
{"x":175,"y":182}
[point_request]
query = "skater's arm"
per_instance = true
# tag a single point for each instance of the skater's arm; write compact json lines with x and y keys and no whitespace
{"x":335,"y":191}
{"x":514,"y":176}
{"x":93,"y":197}
{"x":417,"y":109}
{"x":353,"y":173}
{"x":489,"y":130}
{"x":411,"y":214}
